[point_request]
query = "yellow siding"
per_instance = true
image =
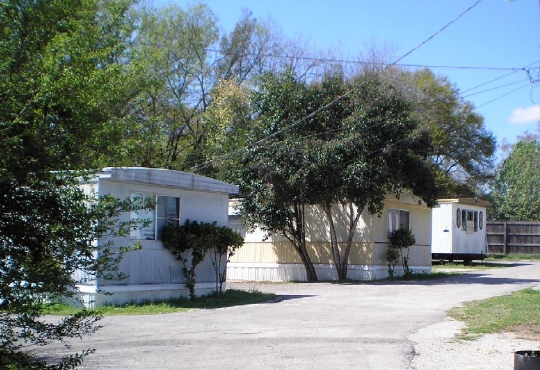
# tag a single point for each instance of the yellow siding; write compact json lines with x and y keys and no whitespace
{"x":369,"y":242}
{"x":419,"y":255}
{"x":268,"y":252}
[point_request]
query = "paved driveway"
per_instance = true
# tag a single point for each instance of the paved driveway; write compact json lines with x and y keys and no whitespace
{"x":316,"y":326}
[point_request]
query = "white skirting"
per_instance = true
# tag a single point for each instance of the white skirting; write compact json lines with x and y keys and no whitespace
{"x":116,"y":295}
{"x":296,"y":272}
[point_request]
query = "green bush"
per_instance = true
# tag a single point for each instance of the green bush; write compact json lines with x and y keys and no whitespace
{"x":400,"y":241}
{"x":201,"y":238}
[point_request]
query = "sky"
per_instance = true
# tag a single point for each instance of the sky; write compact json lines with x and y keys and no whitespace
{"x":493,"y":43}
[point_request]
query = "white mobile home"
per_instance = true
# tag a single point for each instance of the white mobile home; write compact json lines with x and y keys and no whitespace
{"x":274,"y":258}
{"x":153,"y":272}
{"x":459,"y":229}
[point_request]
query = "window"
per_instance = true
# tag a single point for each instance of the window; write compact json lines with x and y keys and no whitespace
{"x":481,"y":220}
{"x":162,"y":211}
{"x":471,"y":221}
{"x":397,"y":218}
{"x":168,"y":213}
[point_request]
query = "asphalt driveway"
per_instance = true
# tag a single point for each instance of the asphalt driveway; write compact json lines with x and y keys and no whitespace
{"x":315,"y":326}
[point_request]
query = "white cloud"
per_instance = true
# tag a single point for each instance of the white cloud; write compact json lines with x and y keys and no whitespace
{"x":525,"y":115}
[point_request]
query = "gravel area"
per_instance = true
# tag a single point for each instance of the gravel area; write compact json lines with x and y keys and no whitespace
{"x":437,"y":348}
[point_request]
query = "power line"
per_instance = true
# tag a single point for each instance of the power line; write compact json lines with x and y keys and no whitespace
{"x":297,"y":122}
{"x":494,"y":88}
{"x":363,"y":62}
{"x":502,"y":96}
{"x":500,"y":77}
{"x":439,"y":31}
{"x":387,"y":67}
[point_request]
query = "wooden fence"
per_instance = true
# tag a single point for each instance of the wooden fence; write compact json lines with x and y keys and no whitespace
{"x":513,"y":237}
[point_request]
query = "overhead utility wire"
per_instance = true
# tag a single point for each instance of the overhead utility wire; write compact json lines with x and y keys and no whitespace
{"x":502,"y":96}
{"x":436,"y":33}
{"x":363,"y":62}
{"x":500,"y":77}
{"x":493,"y":88}
{"x":297,"y":122}
{"x":294,"y":124}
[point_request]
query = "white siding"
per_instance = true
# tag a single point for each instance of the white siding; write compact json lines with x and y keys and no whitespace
{"x":443,"y":228}
{"x":457,"y":240}
{"x":201,"y":199}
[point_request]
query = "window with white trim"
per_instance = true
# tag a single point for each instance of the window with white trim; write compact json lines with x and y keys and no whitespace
{"x":397,"y":218}
{"x":470,"y":221}
{"x":165,"y":211}
{"x":481,"y":220}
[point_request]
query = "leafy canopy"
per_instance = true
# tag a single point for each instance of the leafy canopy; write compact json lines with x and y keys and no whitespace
{"x":63,"y":89}
{"x":516,"y":190}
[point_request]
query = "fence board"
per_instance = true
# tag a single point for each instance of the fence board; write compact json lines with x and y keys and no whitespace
{"x":513,"y":237}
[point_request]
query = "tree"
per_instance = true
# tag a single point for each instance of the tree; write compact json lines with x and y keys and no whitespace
{"x":182,"y":58}
{"x":516,"y":189}
{"x":463,"y":148}
{"x":63,"y":90}
{"x":269,"y":168}
{"x":334,"y":142}
{"x":370,"y":148}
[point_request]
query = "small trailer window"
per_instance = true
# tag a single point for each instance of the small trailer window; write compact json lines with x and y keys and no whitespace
{"x":458,"y":218}
{"x":481,"y":220}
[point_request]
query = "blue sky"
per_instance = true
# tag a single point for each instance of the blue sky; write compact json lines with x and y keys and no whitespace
{"x":496,"y":36}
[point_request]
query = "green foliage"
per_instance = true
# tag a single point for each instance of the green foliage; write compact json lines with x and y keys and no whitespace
{"x":463,"y":147}
{"x":353,"y":152}
{"x":63,"y":89}
{"x":400,"y":241}
{"x":225,"y":242}
{"x":181,"y":59}
{"x":200,"y":238}
{"x":516,"y":190}
{"x":47,"y":233}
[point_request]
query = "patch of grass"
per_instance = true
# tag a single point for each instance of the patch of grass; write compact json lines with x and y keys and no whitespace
{"x":230,"y":298}
{"x":434,"y":275}
{"x":444,"y":265}
{"x":518,"y":312}
{"x":513,"y":257}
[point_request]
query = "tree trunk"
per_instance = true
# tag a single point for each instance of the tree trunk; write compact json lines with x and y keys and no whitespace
{"x":297,"y":238}
{"x":311,"y":274}
{"x":353,"y":223}
{"x":341,"y":260}
{"x":334,"y":246}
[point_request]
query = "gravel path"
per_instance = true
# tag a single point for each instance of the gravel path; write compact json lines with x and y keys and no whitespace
{"x":437,"y":349}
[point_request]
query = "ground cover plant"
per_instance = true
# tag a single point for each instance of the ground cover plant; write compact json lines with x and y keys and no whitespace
{"x":518,"y":313}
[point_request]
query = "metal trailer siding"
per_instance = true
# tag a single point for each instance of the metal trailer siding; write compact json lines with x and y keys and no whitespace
{"x":449,"y":235}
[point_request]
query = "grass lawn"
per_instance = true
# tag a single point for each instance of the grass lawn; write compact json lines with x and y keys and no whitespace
{"x":438,"y":266}
{"x":230,"y":298}
{"x":513,"y":257}
{"x":518,"y":312}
